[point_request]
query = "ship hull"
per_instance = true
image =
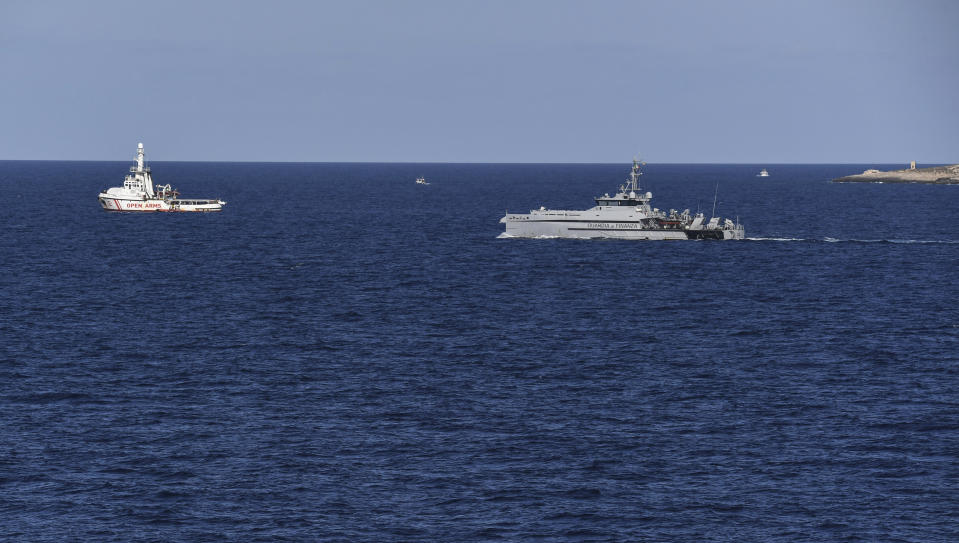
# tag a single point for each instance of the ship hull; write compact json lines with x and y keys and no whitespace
{"x":157,"y":205}
{"x":524,"y":228}
{"x":587,"y":230}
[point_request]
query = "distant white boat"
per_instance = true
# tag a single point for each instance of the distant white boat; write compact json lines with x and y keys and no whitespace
{"x":763,"y":173}
{"x":421,"y":181}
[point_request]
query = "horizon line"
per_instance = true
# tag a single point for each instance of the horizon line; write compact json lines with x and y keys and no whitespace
{"x":469,"y":162}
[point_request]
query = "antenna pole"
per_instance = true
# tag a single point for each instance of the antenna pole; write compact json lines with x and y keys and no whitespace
{"x":715,"y":195}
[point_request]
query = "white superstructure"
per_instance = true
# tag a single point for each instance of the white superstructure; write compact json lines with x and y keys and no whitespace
{"x":627,"y":215}
{"x":139,"y":194}
{"x":763,"y":173}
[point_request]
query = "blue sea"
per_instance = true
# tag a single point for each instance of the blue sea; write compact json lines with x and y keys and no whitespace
{"x":344,"y":355}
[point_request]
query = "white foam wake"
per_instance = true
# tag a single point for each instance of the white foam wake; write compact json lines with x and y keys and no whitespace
{"x":837,"y":240}
{"x":903,"y":241}
{"x":944,"y":241}
{"x":504,"y":235}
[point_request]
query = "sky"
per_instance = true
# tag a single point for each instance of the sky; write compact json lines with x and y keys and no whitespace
{"x":736,"y":81}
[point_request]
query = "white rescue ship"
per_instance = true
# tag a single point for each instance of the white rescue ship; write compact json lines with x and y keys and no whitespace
{"x":627,"y":215}
{"x":139,"y":194}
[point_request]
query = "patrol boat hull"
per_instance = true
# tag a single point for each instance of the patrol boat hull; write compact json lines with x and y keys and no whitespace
{"x":522,"y":226}
{"x":552,"y":229}
{"x":627,"y":215}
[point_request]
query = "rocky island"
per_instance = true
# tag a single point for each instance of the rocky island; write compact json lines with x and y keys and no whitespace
{"x":943,"y":175}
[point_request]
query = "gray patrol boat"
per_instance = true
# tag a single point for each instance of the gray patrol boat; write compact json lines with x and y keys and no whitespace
{"x":627,"y":215}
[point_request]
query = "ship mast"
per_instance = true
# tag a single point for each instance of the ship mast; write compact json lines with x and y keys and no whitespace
{"x":139,"y":157}
{"x":634,"y":175}
{"x":715,"y":196}
{"x":143,"y":173}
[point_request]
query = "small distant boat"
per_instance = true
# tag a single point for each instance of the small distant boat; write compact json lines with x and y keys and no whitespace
{"x":421,"y":181}
{"x":763,"y":173}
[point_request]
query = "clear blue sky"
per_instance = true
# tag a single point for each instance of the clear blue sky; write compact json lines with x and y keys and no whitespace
{"x":761,"y":81}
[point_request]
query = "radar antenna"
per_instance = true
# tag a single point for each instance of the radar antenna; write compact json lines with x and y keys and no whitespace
{"x":715,"y":195}
{"x":635,"y":173}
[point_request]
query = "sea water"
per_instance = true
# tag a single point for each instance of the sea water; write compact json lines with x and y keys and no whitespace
{"x":345,"y":355}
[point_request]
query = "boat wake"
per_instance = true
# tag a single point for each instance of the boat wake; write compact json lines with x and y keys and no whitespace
{"x":902,"y":241}
{"x":504,"y":235}
{"x":836,"y":240}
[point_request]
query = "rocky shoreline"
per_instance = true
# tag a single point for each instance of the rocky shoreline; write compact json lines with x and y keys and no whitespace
{"x":942,"y":175}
